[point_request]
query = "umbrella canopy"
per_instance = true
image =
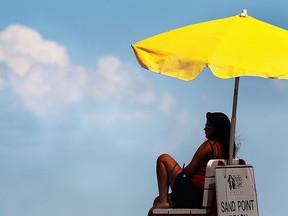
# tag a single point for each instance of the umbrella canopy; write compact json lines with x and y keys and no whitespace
{"x":231,"y":47}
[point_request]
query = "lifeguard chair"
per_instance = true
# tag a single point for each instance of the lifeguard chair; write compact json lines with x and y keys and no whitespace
{"x":228,"y":190}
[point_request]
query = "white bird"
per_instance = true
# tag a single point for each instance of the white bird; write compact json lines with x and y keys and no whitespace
{"x":244,"y":13}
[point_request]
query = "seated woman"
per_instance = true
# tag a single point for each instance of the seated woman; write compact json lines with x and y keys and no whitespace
{"x":187,"y":183}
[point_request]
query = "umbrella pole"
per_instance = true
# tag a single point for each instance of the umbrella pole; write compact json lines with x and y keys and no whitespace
{"x":233,"y":121}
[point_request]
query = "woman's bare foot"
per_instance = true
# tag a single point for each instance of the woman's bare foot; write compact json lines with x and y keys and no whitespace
{"x":150,"y":213}
{"x":159,"y":205}
{"x":163,"y":205}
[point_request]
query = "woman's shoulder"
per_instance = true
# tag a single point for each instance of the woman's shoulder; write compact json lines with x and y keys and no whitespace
{"x":216,"y":148}
{"x":211,"y":146}
{"x":210,"y":143}
{"x":207,"y":146}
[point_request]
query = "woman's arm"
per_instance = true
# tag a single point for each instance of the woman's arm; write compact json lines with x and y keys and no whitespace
{"x":199,"y":159}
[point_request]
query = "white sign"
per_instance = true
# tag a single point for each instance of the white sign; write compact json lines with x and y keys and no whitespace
{"x":236,"y":191}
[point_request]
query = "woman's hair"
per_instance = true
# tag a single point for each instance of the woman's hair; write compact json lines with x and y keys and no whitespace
{"x":221,"y":125}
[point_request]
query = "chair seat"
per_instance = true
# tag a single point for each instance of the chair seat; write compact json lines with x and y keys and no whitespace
{"x":184,"y":211}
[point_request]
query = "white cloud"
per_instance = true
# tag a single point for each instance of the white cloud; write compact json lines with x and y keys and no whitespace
{"x":39,"y":72}
{"x":44,"y":88}
{"x":113,"y":80}
{"x":47,"y":84}
{"x":107,"y":78}
{"x":22,"y":47}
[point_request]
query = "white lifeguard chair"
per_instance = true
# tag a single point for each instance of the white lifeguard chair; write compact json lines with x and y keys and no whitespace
{"x":228,"y":190}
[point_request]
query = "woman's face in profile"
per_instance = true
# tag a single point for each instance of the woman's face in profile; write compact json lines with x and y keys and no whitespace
{"x":209,"y":131}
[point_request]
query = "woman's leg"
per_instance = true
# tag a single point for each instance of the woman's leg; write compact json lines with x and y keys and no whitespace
{"x":167,"y":169}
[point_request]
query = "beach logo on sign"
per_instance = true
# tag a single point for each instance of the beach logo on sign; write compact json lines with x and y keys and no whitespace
{"x":235,"y":182}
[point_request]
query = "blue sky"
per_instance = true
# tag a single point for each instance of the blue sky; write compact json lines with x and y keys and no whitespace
{"x":81,"y":123}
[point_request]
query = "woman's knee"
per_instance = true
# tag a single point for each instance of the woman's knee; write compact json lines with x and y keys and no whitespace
{"x":163,"y":157}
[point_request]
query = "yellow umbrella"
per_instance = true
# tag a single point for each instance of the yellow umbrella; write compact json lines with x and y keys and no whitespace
{"x":231,"y":47}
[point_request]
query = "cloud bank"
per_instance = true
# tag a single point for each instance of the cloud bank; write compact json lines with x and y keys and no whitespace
{"x":40,"y":74}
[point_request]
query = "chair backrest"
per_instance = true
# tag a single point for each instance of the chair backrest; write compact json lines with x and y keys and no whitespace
{"x":209,"y":185}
